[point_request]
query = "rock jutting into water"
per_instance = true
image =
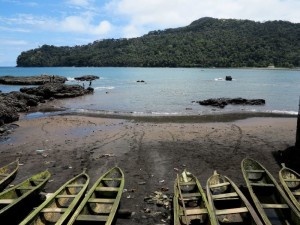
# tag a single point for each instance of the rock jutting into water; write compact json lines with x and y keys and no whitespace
{"x":222,"y":102}
{"x":87,"y":78}
{"x":32,"y":80}
{"x":57,"y":90}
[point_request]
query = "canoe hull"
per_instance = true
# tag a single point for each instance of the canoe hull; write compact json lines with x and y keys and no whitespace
{"x":190,"y":203}
{"x":102,"y":201}
{"x":270,"y":200}
{"x":229,"y":203}
{"x":8,"y":174}
{"x":23,"y":197}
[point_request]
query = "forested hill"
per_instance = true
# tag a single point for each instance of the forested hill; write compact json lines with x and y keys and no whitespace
{"x":206,"y":42}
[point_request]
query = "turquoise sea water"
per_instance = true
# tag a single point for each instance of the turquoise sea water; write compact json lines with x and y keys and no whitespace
{"x":170,"y":91}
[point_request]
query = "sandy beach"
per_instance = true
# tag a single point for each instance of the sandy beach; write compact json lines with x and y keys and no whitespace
{"x":150,"y":153}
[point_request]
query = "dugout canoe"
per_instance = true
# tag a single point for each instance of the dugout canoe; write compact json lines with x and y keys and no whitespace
{"x":20,"y":198}
{"x":271,"y":202}
{"x":229,"y":203}
{"x":8,"y":173}
{"x":290,"y":181}
{"x":102,"y":201}
{"x":58,"y":208}
{"x":190,"y":203}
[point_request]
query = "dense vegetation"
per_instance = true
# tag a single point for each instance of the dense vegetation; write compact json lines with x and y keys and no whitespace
{"x":207,"y":42}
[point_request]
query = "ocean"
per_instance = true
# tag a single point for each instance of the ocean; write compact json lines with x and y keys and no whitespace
{"x":172,"y":91}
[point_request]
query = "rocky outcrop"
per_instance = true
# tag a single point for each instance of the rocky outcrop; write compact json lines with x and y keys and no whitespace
{"x":32,"y":80}
{"x":14,"y":102}
{"x":222,"y":102}
{"x":87,"y":78}
{"x":53,"y":90}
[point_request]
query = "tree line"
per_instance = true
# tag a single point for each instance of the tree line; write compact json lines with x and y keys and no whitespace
{"x":206,"y":42}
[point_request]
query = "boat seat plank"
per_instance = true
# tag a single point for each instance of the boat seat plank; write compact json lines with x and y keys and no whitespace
{"x":255,"y":171}
{"x":231,"y":211}
{"x":107,"y":189}
{"x":92,"y":218}
{"x":296,"y":193}
{"x":187,"y":183}
{"x":219,"y":185}
{"x":262,"y":185}
{"x":275,"y":206}
{"x":291,"y":180}
{"x":189,"y":195}
{"x":6,"y":201}
{"x":102,"y":200}
{"x":25,"y":188}
{"x":65,"y":196}
{"x":54,"y":210}
{"x":74,"y":185}
{"x":195,"y":211}
{"x":225,"y":195}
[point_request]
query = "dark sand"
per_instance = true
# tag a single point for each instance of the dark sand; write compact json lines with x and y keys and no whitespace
{"x":148,"y":151}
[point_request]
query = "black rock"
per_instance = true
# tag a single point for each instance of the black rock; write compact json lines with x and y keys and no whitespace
{"x":87,"y":78}
{"x":32,"y":80}
{"x":228,"y":78}
{"x":222,"y":102}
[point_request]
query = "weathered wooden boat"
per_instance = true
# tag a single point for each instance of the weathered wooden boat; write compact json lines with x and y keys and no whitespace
{"x":271,"y":202}
{"x":290,"y":181}
{"x":58,"y":208}
{"x":8,"y":173}
{"x":20,"y":198}
{"x":102,"y":201}
{"x":229,"y":203}
{"x":189,"y":202}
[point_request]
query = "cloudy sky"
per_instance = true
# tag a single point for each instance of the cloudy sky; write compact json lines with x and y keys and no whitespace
{"x":28,"y":24}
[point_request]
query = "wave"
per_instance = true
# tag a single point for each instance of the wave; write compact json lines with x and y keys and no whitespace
{"x":219,"y":79}
{"x":284,"y":112}
{"x":104,"y":88}
{"x":71,"y":78}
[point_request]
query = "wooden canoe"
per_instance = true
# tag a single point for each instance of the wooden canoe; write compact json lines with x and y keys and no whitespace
{"x":8,"y":173}
{"x":229,"y":203}
{"x":290,"y":181}
{"x":20,"y":197}
{"x":57,"y":209}
{"x":102,"y":201}
{"x":271,"y":202}
{"x":189,"y":203}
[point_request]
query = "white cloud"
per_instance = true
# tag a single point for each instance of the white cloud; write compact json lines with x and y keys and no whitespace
{"x":160,"y":14}
{"x":13,"y":42}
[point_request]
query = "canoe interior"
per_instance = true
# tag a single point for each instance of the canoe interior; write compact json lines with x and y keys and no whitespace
{"x":267,"y":192}
{"x":60,"y":202}
{"x":190,"y":203}
{"x":291,"y":182}
{"x":21,"y":198}
{"x":102,"y":201}
{"x":229,"y":207}
{"x":8,"y":173}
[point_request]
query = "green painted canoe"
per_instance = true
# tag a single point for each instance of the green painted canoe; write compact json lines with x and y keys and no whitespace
{"x":290,"y":181}
{"x":58,"y":208}
{"x":271,"y":202}
{"x":8,"y":173}
{"x":18,"y":199}
{"x":102,"y":201}
{"x":189,"y":203}
{"x":229,"y":203}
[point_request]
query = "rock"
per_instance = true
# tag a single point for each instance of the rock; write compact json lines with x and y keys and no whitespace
{"x":222,"y":102}
{"x":54,"y":90}
{"x":228,"y":78}
{"x":87,"y":78}
{"x":32,"y":80}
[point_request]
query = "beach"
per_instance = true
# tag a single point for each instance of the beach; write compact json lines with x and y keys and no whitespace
{"x":149,"y":151}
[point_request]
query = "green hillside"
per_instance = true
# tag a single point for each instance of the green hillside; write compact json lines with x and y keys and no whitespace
{"x":206,"y":42}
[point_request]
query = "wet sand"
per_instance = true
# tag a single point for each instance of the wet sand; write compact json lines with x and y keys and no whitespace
{"x":149,"y":152}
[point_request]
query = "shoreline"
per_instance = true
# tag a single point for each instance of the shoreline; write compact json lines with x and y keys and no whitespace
{"x":150,"y":152}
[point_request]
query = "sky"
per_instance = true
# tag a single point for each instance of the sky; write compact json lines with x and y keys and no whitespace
{"x":26,"y":25}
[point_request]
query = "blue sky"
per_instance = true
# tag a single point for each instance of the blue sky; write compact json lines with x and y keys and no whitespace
{"x":29,"y":24}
